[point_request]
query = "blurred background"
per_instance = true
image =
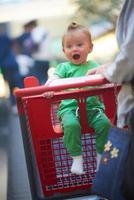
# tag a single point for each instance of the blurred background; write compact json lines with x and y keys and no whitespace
{"x":54,"y":15}
{"x":21,"y":56}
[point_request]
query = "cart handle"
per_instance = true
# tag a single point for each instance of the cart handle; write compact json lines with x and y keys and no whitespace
{"x":60,"y":84}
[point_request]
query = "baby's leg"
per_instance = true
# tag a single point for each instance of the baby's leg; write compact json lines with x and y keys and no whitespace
{"x":72,"y":140}
{"x":101,"y":124}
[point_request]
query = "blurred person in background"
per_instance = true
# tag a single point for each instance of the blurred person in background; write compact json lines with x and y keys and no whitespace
{"x":25,"y":39}
{"x":25,"y":62}
{"x":36,"y":42}
{"x":122,"y":71}
{"x":9,"y":67}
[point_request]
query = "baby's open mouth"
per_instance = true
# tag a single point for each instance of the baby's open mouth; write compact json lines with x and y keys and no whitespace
{"x":76,"y":56}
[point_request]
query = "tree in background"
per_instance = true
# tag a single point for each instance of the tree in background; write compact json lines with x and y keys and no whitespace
{"x":93,"y":9}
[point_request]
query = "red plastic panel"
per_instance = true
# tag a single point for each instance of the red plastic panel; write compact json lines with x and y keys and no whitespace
{"x":53,"y":160}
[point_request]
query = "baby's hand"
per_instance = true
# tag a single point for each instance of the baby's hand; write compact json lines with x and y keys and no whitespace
{"x":48,"y":95}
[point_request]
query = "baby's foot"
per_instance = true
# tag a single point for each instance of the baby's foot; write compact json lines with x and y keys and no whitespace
{"x":77,"y":166}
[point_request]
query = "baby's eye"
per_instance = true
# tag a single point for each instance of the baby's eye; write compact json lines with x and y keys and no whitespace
{"x":79,"y":45}
{"x":69,"y":46}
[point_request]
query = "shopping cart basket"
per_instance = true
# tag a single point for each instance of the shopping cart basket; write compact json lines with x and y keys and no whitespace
{"x":48,"y":161}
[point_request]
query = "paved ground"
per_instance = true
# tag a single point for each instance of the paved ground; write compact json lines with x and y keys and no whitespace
{"x":13,"y":174}
{"x":3,"y":166}
{"x":18,"y":180}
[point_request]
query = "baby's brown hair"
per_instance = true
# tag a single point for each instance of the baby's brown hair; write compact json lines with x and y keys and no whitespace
{"x":75,"y":26}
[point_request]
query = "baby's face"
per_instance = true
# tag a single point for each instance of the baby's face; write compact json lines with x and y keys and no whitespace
{"x":77,"y":46}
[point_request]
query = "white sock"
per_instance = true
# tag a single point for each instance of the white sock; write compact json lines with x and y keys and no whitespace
{"x":98,"y":161}
{"x":77,"y":166}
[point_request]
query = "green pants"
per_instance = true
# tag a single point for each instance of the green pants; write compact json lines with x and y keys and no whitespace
{"x":72,"y":130}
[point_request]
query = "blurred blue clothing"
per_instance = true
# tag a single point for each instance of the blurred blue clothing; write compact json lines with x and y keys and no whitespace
{"x":9,"y":65}
{"x":5,"y":42}
{"x":27,"y":43}
{"x":40,"y":70}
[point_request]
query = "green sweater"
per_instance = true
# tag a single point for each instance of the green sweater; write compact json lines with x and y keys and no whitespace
{"x":68,"y":70}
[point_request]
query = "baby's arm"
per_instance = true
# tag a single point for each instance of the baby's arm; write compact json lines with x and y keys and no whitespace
{"x":54,"y":77}
{"x":50,"y":93}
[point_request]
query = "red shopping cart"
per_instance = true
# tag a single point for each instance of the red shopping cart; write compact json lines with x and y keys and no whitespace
{"x":48,"y":162}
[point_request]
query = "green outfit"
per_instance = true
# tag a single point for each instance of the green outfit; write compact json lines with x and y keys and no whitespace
{"x":68,"y":115}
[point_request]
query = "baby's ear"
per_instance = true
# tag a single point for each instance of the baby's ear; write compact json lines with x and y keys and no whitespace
{"x":63,"y":49}
{"x":91,"y":48}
